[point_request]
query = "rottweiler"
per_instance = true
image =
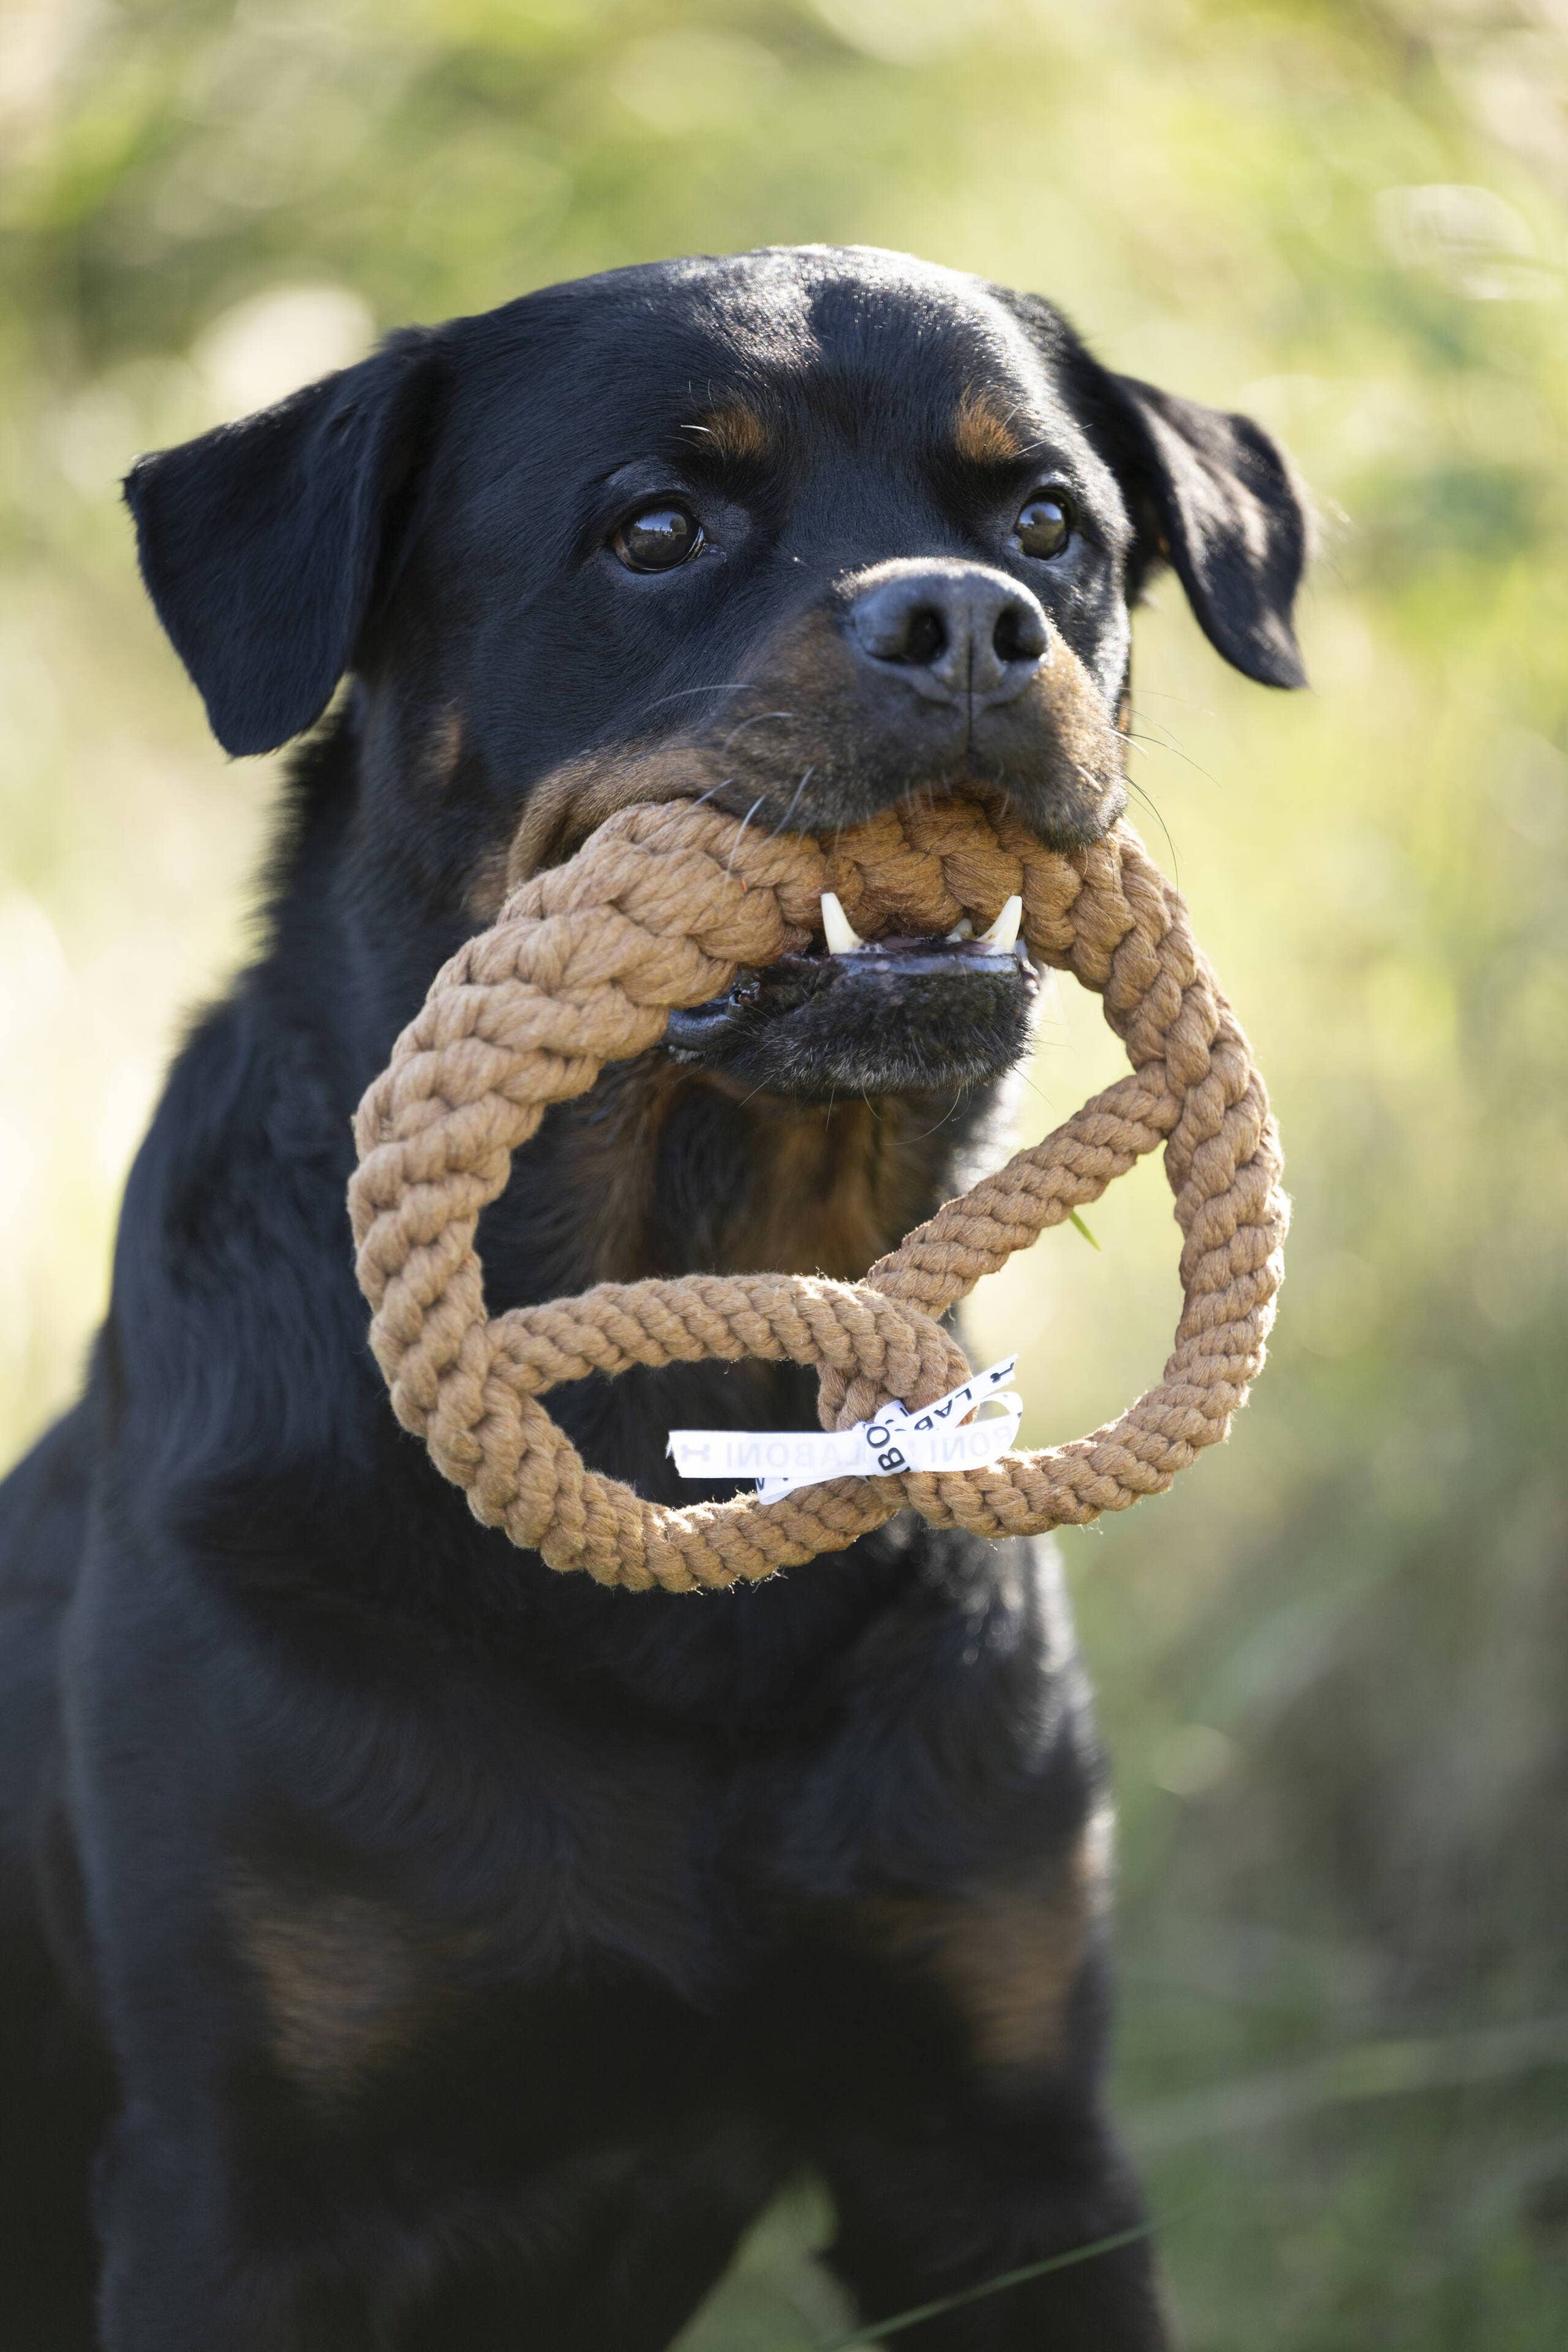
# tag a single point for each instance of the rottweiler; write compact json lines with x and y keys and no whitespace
{"x":403,"y":1945}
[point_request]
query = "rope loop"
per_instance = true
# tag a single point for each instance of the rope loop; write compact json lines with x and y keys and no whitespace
{"x":662,"y":908}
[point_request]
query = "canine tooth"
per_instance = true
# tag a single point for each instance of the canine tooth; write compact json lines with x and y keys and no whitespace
{"x":962,"y":930}
{"x":1003,"y":931}
{"x":840,"y":933}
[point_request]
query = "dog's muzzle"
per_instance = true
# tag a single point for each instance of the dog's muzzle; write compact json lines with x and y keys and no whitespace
{"x":895,"y":1016}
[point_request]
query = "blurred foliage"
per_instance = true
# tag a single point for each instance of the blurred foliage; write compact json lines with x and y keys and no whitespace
{"x":1332,"y":1663}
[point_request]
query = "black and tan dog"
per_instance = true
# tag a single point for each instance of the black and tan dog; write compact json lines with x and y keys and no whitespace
{"x":404,"y":1946}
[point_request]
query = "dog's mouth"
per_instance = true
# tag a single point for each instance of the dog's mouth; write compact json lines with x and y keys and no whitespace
{"x":895,"y":1016}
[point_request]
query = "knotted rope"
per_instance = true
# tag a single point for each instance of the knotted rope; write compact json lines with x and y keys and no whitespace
{"x":662,"y":908}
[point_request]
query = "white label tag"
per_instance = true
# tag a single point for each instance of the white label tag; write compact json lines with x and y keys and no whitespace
{"x":938,"y":1437}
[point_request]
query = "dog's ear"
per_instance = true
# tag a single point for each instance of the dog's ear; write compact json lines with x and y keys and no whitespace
{"x":1213,"y":496}
{"x":262,"y":543}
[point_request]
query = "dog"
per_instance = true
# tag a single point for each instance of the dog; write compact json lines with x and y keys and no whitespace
{"x":402,"y":1946}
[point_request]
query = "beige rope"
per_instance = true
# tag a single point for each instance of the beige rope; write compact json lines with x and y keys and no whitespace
{"x":660,"y":908}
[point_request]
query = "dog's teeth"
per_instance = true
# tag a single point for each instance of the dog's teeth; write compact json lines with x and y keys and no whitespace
{"x":840,"y":933}
{"x":1003,"y":931}
{"x":962,"y":930}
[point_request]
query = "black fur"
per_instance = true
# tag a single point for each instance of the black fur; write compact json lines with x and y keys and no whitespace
{"x":440,"y":1953}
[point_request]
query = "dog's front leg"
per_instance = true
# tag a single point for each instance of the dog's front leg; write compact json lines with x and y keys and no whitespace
{"x":956,"y":1829}
{"x":187,"y":2268}
{"x":980,"y":2190}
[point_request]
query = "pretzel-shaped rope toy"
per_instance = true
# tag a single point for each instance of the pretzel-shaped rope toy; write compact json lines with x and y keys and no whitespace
{"x":660,"y":908}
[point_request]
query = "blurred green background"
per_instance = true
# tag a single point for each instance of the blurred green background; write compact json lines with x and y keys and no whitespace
{"x":1333,"y":1663}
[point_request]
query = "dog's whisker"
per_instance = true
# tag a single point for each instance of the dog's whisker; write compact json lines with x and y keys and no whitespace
{"x":1165,"y":741}
{"x":952,"y":1107}
{"x":678,"y":693}
{"x":711,"y":790}
{"x":1183,"y":701}
{"x":755,"y":718}
{"x":793,"y":803}
{"x":745,"y":821}
{"x":1150,"y":804}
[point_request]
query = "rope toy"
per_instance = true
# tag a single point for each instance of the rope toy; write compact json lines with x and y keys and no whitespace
{"x":660,"y":908}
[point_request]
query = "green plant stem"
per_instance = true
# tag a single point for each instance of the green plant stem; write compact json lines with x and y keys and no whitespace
{"x":902,"y":2319}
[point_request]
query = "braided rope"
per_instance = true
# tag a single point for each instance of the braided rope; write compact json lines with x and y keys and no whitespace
{"x":660,"y":909}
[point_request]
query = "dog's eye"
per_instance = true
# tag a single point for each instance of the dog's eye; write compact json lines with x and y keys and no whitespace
{"x":1045,"y":526}
{"x":657,"y":539}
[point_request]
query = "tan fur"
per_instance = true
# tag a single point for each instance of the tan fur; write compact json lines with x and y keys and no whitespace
{"x":828,"y":1191}
{"x":445,"y":748}
{"x":348,"y":1986}
{"x":1007,"y":1958}
{"x":736,"y":432}
{"x":567,"y":805}
{"x":612,"y":1160}
{"x":983,"y":434}
{"x":489,"y":884}
{"x":1087,"y":755}
{"x":832,"y":1190}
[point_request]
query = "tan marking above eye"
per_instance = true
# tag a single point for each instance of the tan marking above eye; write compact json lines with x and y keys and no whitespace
{"x":984,"y":433}
{"x":734,"y":432}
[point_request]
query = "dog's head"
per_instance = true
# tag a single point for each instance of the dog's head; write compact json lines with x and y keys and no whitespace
{"x":803,"y":530}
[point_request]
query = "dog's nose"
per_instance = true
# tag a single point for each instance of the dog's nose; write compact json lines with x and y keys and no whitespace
{"x":952,"y":629}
